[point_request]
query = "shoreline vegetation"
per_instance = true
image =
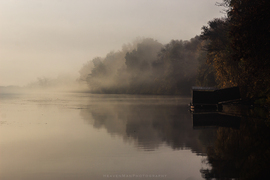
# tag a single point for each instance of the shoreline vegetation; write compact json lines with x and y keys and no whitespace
{"x":145,"y":67}
{"x":231,"y":51}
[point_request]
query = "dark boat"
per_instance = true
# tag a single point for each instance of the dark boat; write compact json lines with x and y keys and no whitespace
{"x":210,"y":98}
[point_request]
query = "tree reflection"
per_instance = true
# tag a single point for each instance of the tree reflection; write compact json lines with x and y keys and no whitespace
{"x":243,"y":153}
{"x":149,"y":125}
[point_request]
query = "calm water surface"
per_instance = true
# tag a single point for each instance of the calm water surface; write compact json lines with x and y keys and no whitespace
{"x":83,"y":136}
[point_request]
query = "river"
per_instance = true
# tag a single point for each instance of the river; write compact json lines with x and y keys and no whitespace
{"x":85,"y":136}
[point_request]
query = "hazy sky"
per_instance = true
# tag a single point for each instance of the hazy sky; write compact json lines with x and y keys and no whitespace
{"x":47,"y":38}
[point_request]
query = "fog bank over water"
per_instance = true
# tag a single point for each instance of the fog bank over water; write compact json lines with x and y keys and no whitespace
{"x":64,"y":83}
{"x":48,"y":38}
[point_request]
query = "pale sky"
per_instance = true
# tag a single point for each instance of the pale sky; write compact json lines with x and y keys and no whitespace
{"x":47,"y":38}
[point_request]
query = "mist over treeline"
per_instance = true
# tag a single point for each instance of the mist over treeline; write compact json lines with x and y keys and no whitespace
{"x":145,"y":67}
{"x":230,"y":51}
{"x":63,"y":82}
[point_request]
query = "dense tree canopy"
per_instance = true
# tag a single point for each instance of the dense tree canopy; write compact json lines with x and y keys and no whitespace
{"x":147,"y":68}
{"x":250,"y":36}
{"x":218,"y":49}
{"x":231,"y":51}
{"x":238,"y":47}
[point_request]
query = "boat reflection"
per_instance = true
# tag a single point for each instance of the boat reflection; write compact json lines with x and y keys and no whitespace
{"x":215,"y":119}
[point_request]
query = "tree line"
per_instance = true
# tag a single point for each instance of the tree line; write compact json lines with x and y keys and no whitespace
{"x":238,"y":48}
{"x":230,"y":51}
{"x":145,"y":67}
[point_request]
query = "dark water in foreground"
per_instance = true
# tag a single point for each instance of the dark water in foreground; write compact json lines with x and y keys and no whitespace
{"x":84,"y":136}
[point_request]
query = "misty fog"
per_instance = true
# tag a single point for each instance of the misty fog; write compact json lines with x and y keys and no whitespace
{"x":74,"y":80}
{"x":101,"y":89}
{"x":44,"y":39}
{"x":145,"y":67}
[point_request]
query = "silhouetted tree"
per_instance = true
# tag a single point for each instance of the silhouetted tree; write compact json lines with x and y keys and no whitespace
{"x":238,"y":47}
{"x":219,"y":52}
{"x":250,"y":36}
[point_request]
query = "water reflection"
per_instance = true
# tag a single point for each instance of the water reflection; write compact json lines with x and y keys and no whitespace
{"x":148,"y":122}
{"x":51,"y":136}
{"x":215,"y":119}
{"x":242,"y":153}
{"x":84,"y":136}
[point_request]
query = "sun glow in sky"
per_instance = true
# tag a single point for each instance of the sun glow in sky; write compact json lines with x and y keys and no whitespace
{"x":47,"y":38}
